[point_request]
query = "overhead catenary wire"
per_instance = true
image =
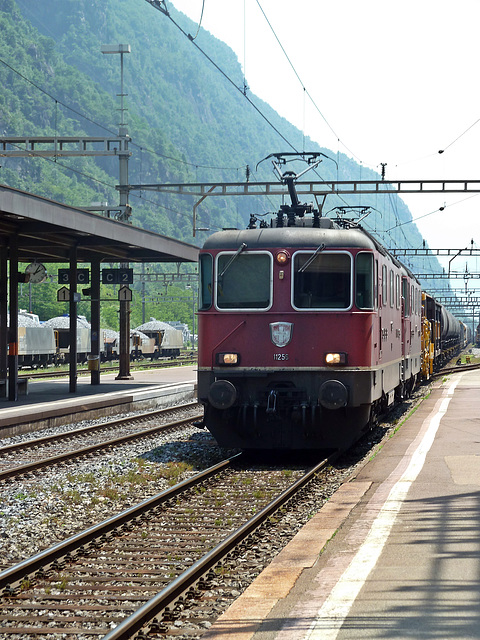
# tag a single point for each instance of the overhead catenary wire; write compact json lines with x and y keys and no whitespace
{"x":245,"y":87}
{"x":108,"y":130}
{"x":172,"y":158}
{"x":458,"y":137}
{"x":157,"y":4}
{"x":220,"y":70}
{"x":305,"y":92}
{"x":92,"y":121}
{"x":475,"y":195}
{"x":143,"y":147}
{"x":200,"y":21}
{"x":107,"y":184}
{"x":302,"y":84}
{"x":398,"y":224}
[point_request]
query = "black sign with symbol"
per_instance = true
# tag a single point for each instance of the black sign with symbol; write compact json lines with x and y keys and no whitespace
{"x":83,"y":276}
{"x":117,"y":276}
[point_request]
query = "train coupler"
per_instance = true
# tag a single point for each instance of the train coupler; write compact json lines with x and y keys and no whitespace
{"x":272,"y":402}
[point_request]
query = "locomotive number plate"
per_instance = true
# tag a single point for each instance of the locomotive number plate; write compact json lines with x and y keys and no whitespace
{"x":280,"y":356}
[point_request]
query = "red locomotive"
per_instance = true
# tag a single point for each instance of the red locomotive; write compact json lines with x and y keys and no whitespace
{"x":307,"y":329}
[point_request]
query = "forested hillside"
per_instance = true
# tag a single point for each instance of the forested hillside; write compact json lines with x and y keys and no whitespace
{"x":188,"y":121}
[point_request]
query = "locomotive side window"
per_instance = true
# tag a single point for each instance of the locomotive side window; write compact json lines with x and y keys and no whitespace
{"x":384,"y":286}
{"x":397,"y":291}
{"x":206,"y":276}
{"x":364,"y":289}
{"x":244,"y":281}
{"x":322,"y":281}
{"x":391,"y":291}
{"x":406,"y":297}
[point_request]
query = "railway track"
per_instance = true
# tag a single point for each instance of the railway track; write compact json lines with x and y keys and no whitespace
{"x":153,"y":564}
{"x":135,"y":366}
{"x":455,"y":369}
{"x":67,"y":601}
{"x":39,"y":453}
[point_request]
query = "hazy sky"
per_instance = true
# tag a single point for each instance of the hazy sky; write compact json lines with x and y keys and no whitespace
{"x":394,"y":83}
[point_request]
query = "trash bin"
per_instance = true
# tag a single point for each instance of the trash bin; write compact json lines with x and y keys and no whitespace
{"x":93,"y":363}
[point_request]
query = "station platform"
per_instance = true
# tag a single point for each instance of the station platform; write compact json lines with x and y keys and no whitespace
{"x":395,"y":553}
{"x":49,"y":403}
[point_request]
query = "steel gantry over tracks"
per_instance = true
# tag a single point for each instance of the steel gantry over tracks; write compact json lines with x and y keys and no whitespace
{"x":318,"y":189}
{"x":321,"y":189}
{"x":314,"y":187}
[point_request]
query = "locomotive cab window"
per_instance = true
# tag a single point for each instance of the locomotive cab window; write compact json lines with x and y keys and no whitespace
{"x":206,"y":274}
{"x":364,"y":289}
{"x":322,"y":281}
{"x":244,"y":280}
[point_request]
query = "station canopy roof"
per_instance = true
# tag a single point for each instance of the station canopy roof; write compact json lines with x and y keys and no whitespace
{"x":47,"y":231}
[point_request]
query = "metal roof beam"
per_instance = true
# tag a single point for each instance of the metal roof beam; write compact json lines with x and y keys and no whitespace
{"x":474,"y":251}
{"x":48,"y":230}
{"x":62,"y":146}
{"x":447,"y":276}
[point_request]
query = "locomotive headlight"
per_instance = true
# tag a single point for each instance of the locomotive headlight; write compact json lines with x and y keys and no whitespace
{"x":282,"y":257}
{"x":336,"y":358}
{"x":227,"y":359}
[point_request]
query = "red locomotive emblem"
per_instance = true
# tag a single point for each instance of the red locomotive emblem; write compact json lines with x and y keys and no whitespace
{"x":281,"y":333}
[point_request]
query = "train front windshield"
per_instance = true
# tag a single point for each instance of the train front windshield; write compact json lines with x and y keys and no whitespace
{"x":322,"y":281}
{"x":244,"y":281}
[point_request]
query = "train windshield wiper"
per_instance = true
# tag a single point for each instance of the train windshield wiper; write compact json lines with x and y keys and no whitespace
{"x":305,"y":266}
{"x":236,"y":254}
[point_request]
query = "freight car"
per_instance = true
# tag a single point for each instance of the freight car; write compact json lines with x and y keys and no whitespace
{"x":308,"y":329}
{"x":61,"y":329}
{"x":36,"y":342}
{"x":466,"y":335}
{"x":141,"y":346}
{"x":443,"y":335}
{"x":167,"y":340}
{"x":48,"y":343}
